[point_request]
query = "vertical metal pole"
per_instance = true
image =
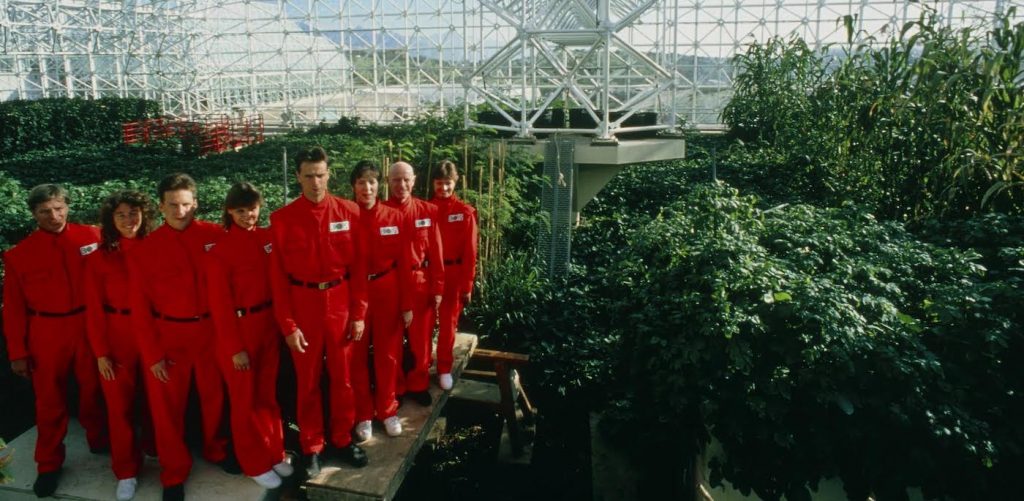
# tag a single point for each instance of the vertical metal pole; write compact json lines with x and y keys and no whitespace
{"x":284,"y":172}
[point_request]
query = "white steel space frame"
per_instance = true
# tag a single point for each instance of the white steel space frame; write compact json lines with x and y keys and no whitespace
{"x":307,"y":61}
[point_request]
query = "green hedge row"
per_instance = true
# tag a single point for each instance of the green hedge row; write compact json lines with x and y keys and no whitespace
{"x":58,"y":122}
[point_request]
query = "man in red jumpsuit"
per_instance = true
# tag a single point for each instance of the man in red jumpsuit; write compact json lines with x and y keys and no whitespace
{"x":172,"y":321}
{"x":457,"y":221}
{"x":44,"y":323}
{"x":428,"y":275}
{"x":390,"y":276}
{"x":319,"y":285}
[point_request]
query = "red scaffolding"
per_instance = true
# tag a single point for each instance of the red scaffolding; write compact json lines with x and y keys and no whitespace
{"x":213,"y":134}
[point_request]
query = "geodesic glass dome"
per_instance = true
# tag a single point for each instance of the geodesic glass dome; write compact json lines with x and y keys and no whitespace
{"x":306,"y":61}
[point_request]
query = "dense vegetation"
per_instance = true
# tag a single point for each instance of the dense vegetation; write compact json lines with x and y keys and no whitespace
{"x":843,"y":301}
{"x":62,"y":122}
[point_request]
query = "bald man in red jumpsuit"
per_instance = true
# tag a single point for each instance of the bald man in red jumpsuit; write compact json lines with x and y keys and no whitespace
{"x":319,"y":284}
{"x":44,"y":322}
{"x":172,"y":321}
{"x":428,"y":275}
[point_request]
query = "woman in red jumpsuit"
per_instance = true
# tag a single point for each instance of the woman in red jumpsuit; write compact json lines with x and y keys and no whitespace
{"x":247,"y":340}
{"x":457,"y":222}
{"x":125,"y":218}
{"x":389,"y":268}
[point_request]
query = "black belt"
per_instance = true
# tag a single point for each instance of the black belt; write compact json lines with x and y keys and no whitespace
{"x":375,"y":276}
{"x":424,"y":264}
{"x":52,"y":314}
{"x":110,"y":309}
{"x":159,"y":316}
{"x":241,"y":312}
{"x":449,"y":262}
{"x":319,"y":285}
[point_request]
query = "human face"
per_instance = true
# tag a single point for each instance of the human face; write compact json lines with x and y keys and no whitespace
{"x":127,"y":220}
{"x":444,"y":188}
{"x":178,"y":208}
{"x":313,"y":177}
{"x":365,"y":189}
{"x":51,"y":215}
{"x":400,"y":181}
{"x":245,"y":217}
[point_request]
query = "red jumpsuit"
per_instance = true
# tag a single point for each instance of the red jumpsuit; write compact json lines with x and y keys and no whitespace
{"x":238,"y":273}
{"x":172,"y":323}
{"x":43,"y":320}
{"x":389,"y":264}
{"x":427,"y":282}
{"x":319,"y":283}
{"x":108,"y":307}
{"x":457,"y":221}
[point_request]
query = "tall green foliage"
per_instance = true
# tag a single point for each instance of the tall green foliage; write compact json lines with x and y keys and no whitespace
{"x":60,"y":122}
{"x":928,"y":123}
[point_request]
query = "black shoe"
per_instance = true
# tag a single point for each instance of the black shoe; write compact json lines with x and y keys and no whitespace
{"x":422,"y":398}
{"x":230,"y":465}
{"x":353,"y":455}
{"x":46,"y":484}
{"x":312,"y":462}
{"x":103,"y":449}
{"x":174,"y":492}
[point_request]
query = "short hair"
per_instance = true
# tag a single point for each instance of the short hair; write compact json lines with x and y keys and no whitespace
{"x":361,"y":169}
{"x":314,"y":154}
{"x":445,"y":170}
{"x":175,"y":182}
{"x":44,"y":193}
{"x":241,"y":194}
{"x":109,"y":235}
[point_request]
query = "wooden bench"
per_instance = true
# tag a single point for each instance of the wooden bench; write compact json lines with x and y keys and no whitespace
{"x":503,"y":394}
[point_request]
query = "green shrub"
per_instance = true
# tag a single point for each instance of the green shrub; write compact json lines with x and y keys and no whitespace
{"x":60,"y":122}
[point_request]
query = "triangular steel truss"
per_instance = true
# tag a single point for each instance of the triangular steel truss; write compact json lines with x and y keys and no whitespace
{"x":305,"y":61}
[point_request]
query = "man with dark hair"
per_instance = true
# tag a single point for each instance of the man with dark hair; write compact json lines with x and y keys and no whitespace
{"x":428,"y":275}
{"x":172,"y":319}
{"x":44,"y":302}
{"x":319,"y":283}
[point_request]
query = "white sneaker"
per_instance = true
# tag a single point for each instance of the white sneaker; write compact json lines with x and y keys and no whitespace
{"x":126,"y":488}
{"x":364,"y":430}
{"x":268,"y":480}
{"x":284,"y":469}
{"x":445,"y":380}
{"x":393,"y":426}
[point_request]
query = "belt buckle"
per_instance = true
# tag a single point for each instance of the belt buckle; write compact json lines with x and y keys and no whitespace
{"x":322,"y":285}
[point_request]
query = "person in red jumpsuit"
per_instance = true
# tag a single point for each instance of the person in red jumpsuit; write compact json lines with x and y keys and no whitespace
{"x":390,"y":274}
{"x":428,"y":275}
{"x":457,"y":221}
{"x":171,"y":318}
{"x":125,"y":218}
{"x":248,"y":343}
{"x":44,"y":302}
{"x":319,"y":285}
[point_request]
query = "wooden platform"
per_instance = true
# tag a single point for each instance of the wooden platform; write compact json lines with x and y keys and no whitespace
{"x":390,"y":457}
{"x":88,"y":477}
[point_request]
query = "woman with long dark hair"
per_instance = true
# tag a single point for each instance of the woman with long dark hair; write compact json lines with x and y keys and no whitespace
{"x":248,"y":340}
{"x":125,"y":218}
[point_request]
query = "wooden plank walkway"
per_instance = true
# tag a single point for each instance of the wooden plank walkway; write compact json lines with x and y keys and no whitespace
{"x":87,"y":476}
{"x":390,"y":457}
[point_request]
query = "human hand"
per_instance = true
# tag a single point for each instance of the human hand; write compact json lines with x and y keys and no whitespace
{"x":296,"y":341}
{"x":466,"y":297}
{"x":358,"y":326}
{"x":407,"y":318}
{"x":159,"y":370}
{"x":437,"y":301}
{"x":106,"y":366}
{"x":21,"y":367}
{"x":240,"y":360}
